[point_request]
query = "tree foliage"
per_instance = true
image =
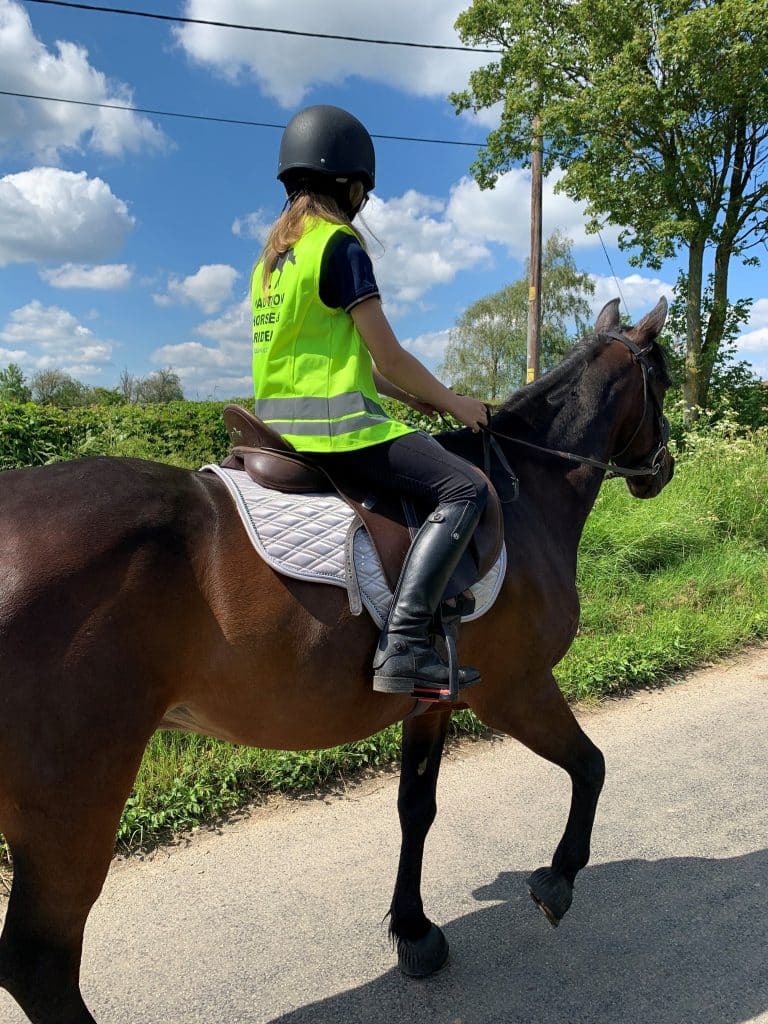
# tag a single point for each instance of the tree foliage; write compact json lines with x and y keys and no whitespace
{"x":734,"y":388}
{"x":159,"y":387}
{"x":56,"y":387}
{"x":486,"y":353}
{"x":657,"y":112}
{"x":13,"y":385}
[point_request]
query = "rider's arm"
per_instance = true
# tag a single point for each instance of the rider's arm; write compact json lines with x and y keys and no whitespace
{"x":402,"y":369}
{"x":386,"y":387}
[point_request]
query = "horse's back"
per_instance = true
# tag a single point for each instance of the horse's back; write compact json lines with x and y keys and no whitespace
{"x":87,"y":505}
{"x":78,"y":536}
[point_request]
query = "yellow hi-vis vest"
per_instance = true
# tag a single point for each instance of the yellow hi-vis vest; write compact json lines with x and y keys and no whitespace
{"x":312,"y":372}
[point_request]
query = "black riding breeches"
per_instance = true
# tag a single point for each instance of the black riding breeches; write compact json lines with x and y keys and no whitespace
{"x":414,"y":464}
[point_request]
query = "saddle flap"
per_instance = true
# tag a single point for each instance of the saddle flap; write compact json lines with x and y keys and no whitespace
{"x":488,"y":538}
{"x":388,"y":529}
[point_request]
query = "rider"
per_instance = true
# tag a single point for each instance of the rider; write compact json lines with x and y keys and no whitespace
{"x":323,"y":349}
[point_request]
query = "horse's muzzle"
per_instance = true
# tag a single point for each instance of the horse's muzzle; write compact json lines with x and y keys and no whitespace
{"x":653,"y":484}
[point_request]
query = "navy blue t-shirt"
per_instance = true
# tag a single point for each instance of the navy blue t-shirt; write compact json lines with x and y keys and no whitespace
{"x":346,"y":273}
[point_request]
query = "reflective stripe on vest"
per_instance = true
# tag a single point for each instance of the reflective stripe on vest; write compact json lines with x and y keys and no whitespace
{"x":312,"y":372}
{"x":322,"y":428}
{"x":317,"y":408}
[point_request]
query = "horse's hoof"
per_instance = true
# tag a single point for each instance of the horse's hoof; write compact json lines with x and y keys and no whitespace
{"x":551,"y":893}
{"x":425,"y":956}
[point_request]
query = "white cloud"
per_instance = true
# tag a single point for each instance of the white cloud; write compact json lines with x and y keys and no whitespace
{"x":638,"y":294}
{"x":46,"y":337}
{"x":430,"y":346}
{"x":9,"y":355}
{"x":488,"y":118}
{"x":209,"y":288}
{"x":253,"y":225}
{"x":502,"y":214}
{"x":49,"y":214}
{"x":46,"y":129}
{"x":752,"y":345}
{"x":427,"y":241}
{"x":222,"y":369}
{"x":418,"y":247}
{"x":287,"y":66}
{"x":754,"y":341}
{"x":758,"y":316}
{"x":102,"y":277}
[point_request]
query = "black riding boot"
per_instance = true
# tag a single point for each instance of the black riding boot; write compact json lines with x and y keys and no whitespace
{"x":406,"y":662}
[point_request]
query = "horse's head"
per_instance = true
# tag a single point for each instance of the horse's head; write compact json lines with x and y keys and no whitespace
{"x":602,"y":407}
{"x":642,"y":430}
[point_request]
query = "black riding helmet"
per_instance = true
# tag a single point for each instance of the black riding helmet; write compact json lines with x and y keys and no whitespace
{"x":327,"y":145}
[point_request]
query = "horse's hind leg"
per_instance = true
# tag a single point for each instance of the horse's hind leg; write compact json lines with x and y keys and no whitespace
{"x":541,"y":719}
{"x":59,"y":816}
{"x":421,"y":947}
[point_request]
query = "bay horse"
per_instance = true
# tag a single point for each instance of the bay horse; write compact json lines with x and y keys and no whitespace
{"x":127,"y":590}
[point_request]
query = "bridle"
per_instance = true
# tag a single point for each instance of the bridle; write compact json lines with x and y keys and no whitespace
{"x":654,"y":460}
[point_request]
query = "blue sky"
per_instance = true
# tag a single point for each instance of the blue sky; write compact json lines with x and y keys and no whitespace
{"x":127,"y":240}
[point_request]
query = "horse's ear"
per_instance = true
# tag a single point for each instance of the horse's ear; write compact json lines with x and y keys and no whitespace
{"x":652,"y":324}
{"x":608,"y":318}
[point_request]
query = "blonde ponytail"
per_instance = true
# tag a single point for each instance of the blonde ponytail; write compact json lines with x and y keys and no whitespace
{"x":291,"y":224}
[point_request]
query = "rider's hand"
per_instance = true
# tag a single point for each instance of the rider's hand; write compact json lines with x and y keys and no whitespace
{"x":469,"y":411}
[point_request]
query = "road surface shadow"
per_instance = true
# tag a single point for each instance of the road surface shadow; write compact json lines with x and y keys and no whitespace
{"x":672,"y":941}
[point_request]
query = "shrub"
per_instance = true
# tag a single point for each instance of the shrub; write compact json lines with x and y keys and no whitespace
{"x":182,"y":433}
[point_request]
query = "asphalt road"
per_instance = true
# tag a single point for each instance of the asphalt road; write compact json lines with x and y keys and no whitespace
{"x":278,"y":918}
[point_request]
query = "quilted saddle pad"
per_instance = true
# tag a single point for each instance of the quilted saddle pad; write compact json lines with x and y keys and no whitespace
{"x":318,"y":538}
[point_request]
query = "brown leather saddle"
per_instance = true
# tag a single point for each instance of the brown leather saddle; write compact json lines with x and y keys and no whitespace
{"x":391,"y":523}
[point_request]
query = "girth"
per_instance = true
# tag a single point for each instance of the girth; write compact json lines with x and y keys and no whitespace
{"x":390,"y":522}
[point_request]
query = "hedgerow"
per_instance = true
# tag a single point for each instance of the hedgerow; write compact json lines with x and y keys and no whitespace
{"x":181,"y":433}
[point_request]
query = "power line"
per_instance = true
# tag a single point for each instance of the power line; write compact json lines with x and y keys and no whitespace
{"x":260,"y":28}
{"x":219,"y":120}
{"x":613,"y":272}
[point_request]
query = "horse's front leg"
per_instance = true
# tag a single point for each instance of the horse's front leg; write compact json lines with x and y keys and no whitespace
{"x":422,"y":948}
{"x":540,"y":717}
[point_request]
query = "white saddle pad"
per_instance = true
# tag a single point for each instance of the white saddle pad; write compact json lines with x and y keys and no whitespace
{"x":317,"y":537}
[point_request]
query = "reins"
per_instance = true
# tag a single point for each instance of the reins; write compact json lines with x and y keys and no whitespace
{"x":491,"y":446}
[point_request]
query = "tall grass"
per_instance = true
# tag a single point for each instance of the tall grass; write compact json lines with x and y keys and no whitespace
{"x":671,"y":582}
{"x":665,"y":584}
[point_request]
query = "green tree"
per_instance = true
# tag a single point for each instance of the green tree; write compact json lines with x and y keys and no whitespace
{"x":13,"y":385}
{"x":104,"y":396}
{"x":127,"y":385}
{"x":162,"y":386}
{"x":657,"y":112}
{"x":486,"y":352}
{"x":59,"y":388}
{"x":733,"y":383}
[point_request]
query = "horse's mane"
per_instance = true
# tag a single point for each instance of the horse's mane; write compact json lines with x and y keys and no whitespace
{"x":551,"y":387}
{"x":557,"y":403}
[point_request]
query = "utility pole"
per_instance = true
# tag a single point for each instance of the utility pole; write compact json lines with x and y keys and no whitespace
{"x":534,"y":290}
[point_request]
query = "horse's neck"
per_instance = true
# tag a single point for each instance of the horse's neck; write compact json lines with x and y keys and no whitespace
{"x":569,"y":427}
{"x":556,"y":495}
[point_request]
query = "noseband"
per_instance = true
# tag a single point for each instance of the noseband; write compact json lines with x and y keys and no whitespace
{"x":655,"y":458}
